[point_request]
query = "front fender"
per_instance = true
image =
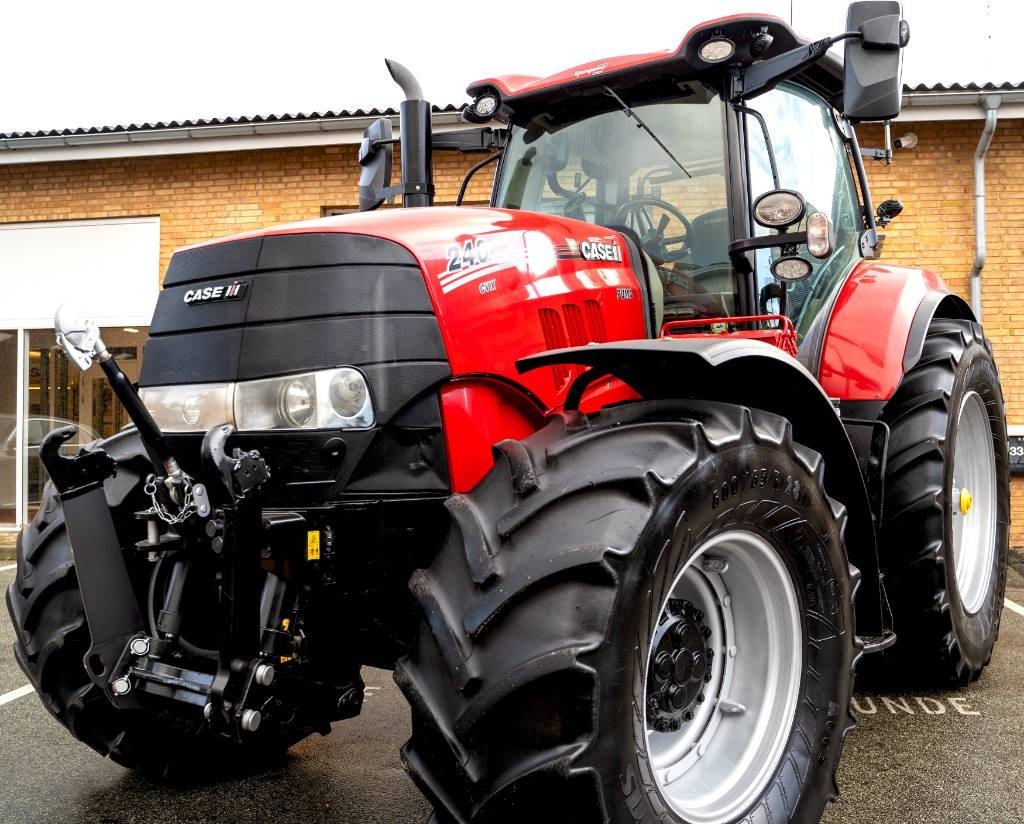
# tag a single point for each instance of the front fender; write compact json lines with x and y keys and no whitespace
{"x":878,"y":327}
{"x":748,"y":373}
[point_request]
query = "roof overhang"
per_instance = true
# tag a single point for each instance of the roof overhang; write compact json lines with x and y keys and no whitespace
{"x":960,"y":104}
{"x":202,"y":138}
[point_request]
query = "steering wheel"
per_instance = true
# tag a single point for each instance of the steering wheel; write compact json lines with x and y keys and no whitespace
{"x":636,"y":214}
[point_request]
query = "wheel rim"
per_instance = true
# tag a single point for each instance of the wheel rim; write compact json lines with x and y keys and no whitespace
{"x":718,"y":761}
{"x":973,"y":503}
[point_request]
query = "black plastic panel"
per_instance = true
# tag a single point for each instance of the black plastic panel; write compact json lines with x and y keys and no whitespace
{"x":394,"y":385}
{"x":330,"y":249}
{"x":280,"y":348}
{"x":337,"y":290}
{"x":213,"y":261}
{"x":192,"y":357}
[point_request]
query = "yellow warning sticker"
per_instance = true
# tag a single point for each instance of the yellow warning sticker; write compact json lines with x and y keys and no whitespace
{"x":313,"y":545}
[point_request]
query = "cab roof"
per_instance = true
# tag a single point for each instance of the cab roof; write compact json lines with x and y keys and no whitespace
{"x":525,"y":94}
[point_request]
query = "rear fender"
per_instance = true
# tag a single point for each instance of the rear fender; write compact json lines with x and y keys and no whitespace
{"x":753,"y":374}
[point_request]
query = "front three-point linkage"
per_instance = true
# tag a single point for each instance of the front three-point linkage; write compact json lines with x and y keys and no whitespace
{"x":236,"y":531}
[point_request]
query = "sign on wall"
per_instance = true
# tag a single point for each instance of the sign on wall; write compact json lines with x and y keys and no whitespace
{"x":1016,"y":438}
{"x":108,"y":270}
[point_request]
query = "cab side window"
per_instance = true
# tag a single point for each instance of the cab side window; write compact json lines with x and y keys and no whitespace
{"x":812,"y":159}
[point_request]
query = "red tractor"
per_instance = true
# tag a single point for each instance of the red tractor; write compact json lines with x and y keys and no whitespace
{"x":597,"y":470}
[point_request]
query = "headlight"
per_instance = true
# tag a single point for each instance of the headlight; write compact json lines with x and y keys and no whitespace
{"x":328,"y":399}
{"x":778,"y":209}
{"x":190,"y":408}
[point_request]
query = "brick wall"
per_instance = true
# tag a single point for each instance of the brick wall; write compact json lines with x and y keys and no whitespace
{"x":935,"y":181}
{"x":203,"y":196}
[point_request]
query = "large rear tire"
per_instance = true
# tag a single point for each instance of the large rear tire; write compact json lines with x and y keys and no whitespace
{"x":945,"y":526}
{"x":52,"y":638}
{"x":643,"y":616}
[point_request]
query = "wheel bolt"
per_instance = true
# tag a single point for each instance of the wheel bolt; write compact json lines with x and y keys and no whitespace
{"x":706,"y":632}
{"x":688,"y":715}
{"x":700,"y":698}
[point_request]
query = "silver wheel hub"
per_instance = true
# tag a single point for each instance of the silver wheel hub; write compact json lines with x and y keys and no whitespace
{"x":724,"y":668}
{"x":972,"y":504}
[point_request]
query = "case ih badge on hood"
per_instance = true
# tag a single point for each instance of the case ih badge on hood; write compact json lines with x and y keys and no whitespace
{"x":208,"y":294}
{"x":596,"y":250}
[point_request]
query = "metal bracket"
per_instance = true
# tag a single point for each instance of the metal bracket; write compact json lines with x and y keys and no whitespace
{"x":75,"y":475}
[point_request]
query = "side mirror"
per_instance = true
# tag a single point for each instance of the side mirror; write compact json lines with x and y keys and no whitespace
{"x":376,"y":152}
{"x":79,"y":338}
{"x":872,"y":89}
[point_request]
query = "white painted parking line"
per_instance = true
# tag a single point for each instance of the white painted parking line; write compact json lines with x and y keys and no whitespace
{"x":1010,"y":605}
{"x":14,"y":695}
{"x":8,"y":568}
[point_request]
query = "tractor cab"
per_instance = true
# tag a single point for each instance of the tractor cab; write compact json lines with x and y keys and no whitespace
{"x":702,"y":158}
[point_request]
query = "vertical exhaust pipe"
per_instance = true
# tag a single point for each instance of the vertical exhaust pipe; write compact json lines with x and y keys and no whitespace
{"x":991,"y":105}
{"x":417,"y":163}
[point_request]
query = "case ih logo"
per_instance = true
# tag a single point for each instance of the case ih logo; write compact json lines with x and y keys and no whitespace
{"x":206,"y":294}
{"x":590,"y":250}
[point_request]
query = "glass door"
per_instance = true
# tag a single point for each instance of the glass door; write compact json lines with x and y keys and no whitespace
{"x":9,"y":386}
{"x":59,"y":395}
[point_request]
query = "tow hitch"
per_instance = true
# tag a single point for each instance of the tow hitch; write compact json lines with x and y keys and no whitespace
{"x":133,"y":662}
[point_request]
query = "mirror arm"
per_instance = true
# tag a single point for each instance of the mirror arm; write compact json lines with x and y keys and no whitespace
{"x":869,"y":245}
{"x":764,"y":76}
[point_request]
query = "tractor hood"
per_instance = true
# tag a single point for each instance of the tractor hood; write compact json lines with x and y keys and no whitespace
{"x":447,"y":286}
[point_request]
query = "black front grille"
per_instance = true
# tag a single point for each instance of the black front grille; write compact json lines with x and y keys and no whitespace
{"x":310,"y":301}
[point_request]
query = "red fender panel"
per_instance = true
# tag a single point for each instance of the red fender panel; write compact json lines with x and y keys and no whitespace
{"x":477,"y":413}
{"x":862,"y":356}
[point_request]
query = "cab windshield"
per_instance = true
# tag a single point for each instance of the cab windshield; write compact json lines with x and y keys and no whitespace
{"x":668,"y":190}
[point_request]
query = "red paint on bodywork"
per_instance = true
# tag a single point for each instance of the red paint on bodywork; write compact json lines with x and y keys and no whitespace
{"x":477,"y":414}
{"x":526,"y":289}
{"x":862,"y":358}
{"x":533,"y":285}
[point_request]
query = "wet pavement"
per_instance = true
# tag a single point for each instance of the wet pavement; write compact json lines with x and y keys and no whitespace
{"x":949,"y":757}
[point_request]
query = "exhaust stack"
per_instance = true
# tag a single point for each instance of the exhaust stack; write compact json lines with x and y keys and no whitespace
{"x":417,"y":163}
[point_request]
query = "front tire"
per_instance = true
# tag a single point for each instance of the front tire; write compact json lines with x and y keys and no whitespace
{"x":945,"y":528}
{"x":644,"y":616}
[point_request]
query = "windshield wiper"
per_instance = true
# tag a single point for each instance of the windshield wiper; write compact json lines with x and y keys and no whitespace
{"x":641,"y":125}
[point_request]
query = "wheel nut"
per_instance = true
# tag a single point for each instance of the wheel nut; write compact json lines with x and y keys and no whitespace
{"x":121,"y":686}
{"x":140,"y":647}
{"x":663,"y":666}
{"x":264,"y":675}
{"x":251,"y":720}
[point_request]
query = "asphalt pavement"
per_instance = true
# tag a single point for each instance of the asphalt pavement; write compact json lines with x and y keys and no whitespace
{"x":948,"y":757}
